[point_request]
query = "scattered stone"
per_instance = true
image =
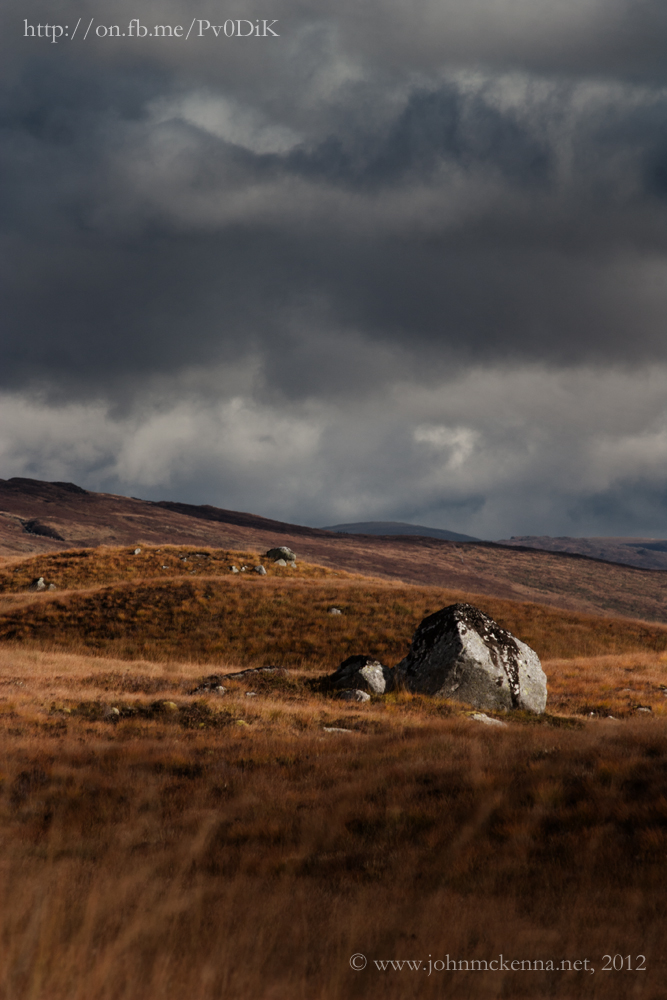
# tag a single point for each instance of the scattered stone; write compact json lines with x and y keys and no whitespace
{"x":644,"y":708}
{"x":461,"y":653}
{"x":292,"y":564}
{"x":52,"y":586}
{"x":38,"y":584}
{"x":233,"y":569}
{"x":282,"y":552}
{"x":334,"y":611}
{"x":363,"y":673}
{"x":353,"y":694}
{"x":210,"y":685}
{"x":251,"y":694}
{"x":170,"y":706}
{"x":243,"y":569}
{"x":280,"y":562}
{"x":112,"y":713}
{"x":137,"y":552}
{"x":260,"y":570}
{"x":336,"y":729}
{"x":242,"y":722}
{"x":165,"y":567}
{"x":487,"y":720}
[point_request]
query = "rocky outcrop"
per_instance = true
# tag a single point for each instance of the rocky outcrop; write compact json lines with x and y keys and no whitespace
{"x":461,"y":653}
{"x":37,"y":527}
{"x":282,"y":552}
{"x":363,"y":673}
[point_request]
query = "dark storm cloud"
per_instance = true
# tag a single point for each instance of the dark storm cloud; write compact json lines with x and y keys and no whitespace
{"x":453,"y":227}
{"x":418,"y":237}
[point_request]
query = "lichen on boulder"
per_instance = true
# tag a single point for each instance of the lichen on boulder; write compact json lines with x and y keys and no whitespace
{"x":461,"y":653}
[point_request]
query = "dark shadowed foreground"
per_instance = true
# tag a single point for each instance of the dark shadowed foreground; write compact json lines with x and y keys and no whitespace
{"x":245,"y":847}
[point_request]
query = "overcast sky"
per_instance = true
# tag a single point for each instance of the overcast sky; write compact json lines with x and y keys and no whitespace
{"x":406,"y":261}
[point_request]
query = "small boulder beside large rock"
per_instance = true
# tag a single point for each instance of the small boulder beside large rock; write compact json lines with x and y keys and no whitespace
{"x":463,"y":654}
{"x":362,"y":673}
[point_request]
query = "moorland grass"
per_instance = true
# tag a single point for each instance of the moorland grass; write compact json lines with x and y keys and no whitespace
{"x":158,"y":843}
{"x":153,"y":857}
{"x":251,"y":621}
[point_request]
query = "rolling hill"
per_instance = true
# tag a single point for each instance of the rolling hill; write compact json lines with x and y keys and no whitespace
{"x":33,"y":512}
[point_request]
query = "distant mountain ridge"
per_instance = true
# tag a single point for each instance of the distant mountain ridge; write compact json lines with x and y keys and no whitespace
{"x":399,"y":528}
{"x":645,"y":553}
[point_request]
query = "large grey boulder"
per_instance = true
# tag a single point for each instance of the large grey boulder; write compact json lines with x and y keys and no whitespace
{"x":461,"y":653}
{"x":363,"y":673}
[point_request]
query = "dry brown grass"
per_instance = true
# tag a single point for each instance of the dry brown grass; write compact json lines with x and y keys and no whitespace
{"x":252,"y":620}
{"x":161,"y":844}
{"x":78,"y":569}
{"x":162,"y":856}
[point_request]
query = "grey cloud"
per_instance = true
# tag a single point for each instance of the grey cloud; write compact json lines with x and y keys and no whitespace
{"x":487,"y":453}
{"x":151,"y":245}
{"x":308,"y":248}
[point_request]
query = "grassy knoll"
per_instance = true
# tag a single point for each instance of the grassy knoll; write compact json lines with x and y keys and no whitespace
{"x":251,"y":620}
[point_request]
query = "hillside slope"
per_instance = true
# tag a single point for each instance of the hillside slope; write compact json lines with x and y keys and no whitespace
{"x":175,"y":603}
{"x":646,"y":553}
{"x":84,"y":519}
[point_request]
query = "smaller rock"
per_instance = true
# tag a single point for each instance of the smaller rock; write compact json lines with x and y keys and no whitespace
{"x":137,"y":552}
{"x":487,"y":720}
{"x":260,"y":570}
{"x":644,"y":708}
{"x":292,"y":564}
{"x":52,"y":586}
{"x":242,"y":722}
{"x":251,"y":694}
{"x":210,"y":685}
{"x":165,"y":567}
{"x":233,"y":569}
{"x":38,"y":584}
{"x":363,"y":673}
{"x":112,"y":713}
{"x":170,"y":706}
{"x":334,"y":611}
{"x":336,"y":729}
{"x":281,"y":552}
{"x":280,"y":562}
{"x":353,"y":694}
{"x":243,"y":569}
